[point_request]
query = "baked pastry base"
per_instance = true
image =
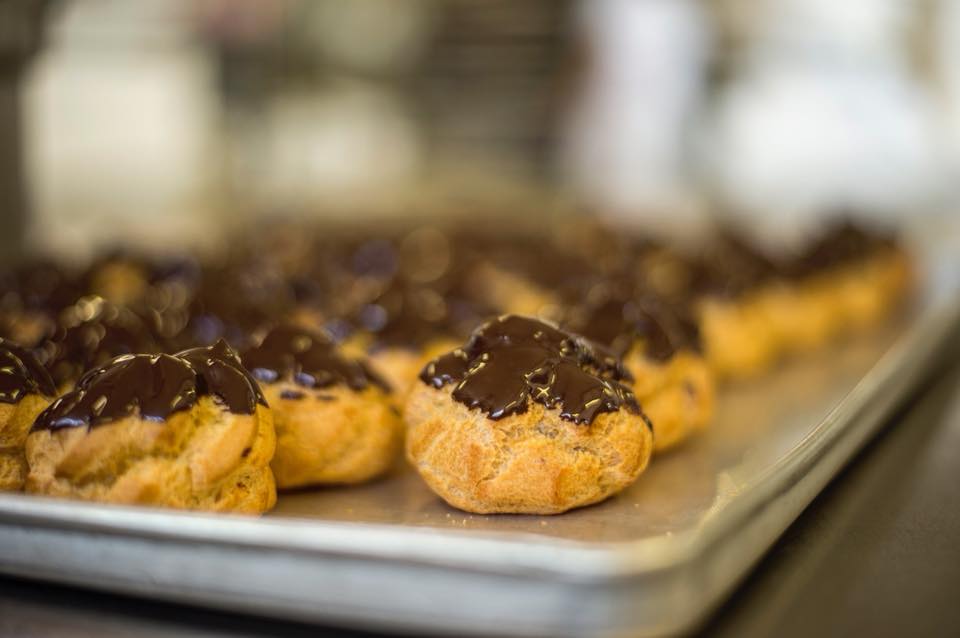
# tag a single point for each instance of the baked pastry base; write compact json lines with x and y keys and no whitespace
{"x":529,"y":463}
{"x":332,"y":435}
{"x":16,"y":419}
{"x":204,"y":458}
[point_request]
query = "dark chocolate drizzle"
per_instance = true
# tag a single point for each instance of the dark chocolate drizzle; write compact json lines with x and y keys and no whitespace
{"x":512,"y":360}
{"x":21,"y":374}
{"x":408,"y":316}
{"x":621,"y":321}
{"x":92,"y":332}
{"x":307,"y":358}
{"x":233,"y":302}
{"x":153,"y":387}
{"x":841,"y":243}
{"x":734,"y":265}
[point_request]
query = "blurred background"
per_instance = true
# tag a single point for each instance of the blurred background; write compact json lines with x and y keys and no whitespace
{"x":163,"y":122}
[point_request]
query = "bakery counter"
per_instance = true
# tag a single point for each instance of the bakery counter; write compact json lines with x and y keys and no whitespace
{"x":877,"y":553}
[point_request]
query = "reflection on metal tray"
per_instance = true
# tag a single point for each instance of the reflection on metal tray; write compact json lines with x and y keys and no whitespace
{"x":653,"y":560}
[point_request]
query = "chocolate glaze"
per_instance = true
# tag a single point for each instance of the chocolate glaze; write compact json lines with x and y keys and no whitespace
{"x":307,"y":358}
{"x":512,"y":360}
{"x":411,"y":316}
{"x":619,"y":319}
{"x":46,"y":285}
{"x":413,"y":293}
{"x":21,"y":374}
{"x":839,"y":244}
{"x":734,"y":265}
{"x":153,"y":387}
{"x":92,"y":332}
{"x":729,"y":266}
{"x":235,"y":300}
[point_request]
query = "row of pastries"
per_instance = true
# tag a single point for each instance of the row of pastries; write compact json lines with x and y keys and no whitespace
{"x":530,"y":373}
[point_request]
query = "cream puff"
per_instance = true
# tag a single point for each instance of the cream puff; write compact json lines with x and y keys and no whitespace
{"x":190,"y":431}
{"x":334,"y":418}
{"x":525,"y":418}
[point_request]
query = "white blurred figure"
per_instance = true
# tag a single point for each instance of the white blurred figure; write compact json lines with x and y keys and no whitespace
{"x":824,"y":113}
{"x":627,"y":139}
{"x":120,"y":118}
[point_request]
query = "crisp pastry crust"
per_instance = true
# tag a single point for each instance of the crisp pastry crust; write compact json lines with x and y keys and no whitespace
{"x":737,"y":339}
{"x":800,"y":317}
{"x":332,"y":435}
{"x":866,"y":291}
{"x":677,"y":395}
{"x":15,"y":422}
{"x":205,"y":458}
{"x":25,"y":390}
{"x":534,"y":462}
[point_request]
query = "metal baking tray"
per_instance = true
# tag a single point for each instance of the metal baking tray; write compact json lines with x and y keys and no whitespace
{"x":654,"y":560}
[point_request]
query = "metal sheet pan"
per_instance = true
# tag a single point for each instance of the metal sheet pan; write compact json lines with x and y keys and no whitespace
{"x":654,"y":560}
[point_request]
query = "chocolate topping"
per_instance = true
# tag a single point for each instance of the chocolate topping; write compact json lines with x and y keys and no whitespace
{"x":424,"y":294}
{"x":307,"y":358}
{"x":220,"y":373}
{"x":619,"y":321}
{"x":45,"y":285}
{"x":512,"y":360}
{"x":21,"y":374}
{"x":92,"y":332}
{"x":408,"y":316}
{"x":154,"y":387}
{"x":732,"y":264}
{"x":842,"y":243}
{"x":234,"y":301}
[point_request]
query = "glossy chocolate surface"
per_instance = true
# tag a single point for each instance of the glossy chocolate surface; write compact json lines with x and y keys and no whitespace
{"x":413,"y":316}
{"x":513,"y":360}
{"x":153,"y":387}
{"x":92,"y":332}
{"x":307,"y":358}
{"x":21,"y":374}
{"x":411,"y":291}
{"x":621,"y":320}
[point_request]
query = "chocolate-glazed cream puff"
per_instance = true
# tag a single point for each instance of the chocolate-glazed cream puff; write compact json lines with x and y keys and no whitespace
{"x":525,"y":418}
{"x":853,"y":274}
{"x":660,"y":347}
{"x":189,"y":431}
{"x":755,"y":307}
{"x":25,"y":390}
{"x":334,"y":419}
